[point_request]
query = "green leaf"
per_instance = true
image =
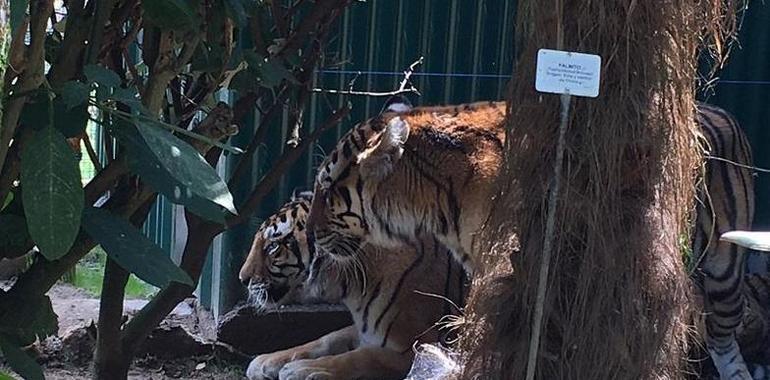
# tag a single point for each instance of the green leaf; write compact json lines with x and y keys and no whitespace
{"x":71,"y":121}
{"x":143,"y":161}
{"x":244,"y":81}
{"x":5,"y":376}
{"x":36,"y":111}
{"x":101,"y":76}
{"x":171,"y":14}
{"x":74,"y":93}
{"x":273,"y":72}
{"x":51,"y":192}
{"x":208,"y":58}
{"x":130,"y":97}
{"x":30,"y":318}
{"x":18,"y":10}
{"x":19,"y":361}
{"x":186,"y":165}
{"x":131,"y":249}
{"x":7,"y":201}
{"x":270,"y":72}
{"x":13,"y":232}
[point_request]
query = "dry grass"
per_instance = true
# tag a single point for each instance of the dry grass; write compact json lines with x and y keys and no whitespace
{"x":619,"y":302}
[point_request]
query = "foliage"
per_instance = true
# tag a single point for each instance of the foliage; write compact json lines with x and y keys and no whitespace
{"x":52,"y":193}
{"x":132,"y":250}
{"x":89,"y":277}
{"x":148,"y":83}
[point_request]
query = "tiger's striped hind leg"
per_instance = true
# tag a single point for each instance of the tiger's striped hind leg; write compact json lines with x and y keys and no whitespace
{"x":759,"y":371}
{"x":723,"y":270}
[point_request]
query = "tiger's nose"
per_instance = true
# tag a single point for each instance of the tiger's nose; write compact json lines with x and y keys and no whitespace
{"x":245,"y":281}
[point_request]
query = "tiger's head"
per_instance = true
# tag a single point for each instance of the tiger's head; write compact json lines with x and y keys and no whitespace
{"x":365,"y":156}
{"x":280,"y":256}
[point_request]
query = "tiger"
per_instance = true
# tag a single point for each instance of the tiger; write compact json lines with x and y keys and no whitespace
{"x":372,"y":188}
{"x":395,"y":296}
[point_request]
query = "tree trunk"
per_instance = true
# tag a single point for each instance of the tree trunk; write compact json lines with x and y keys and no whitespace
{"x":110,"y":360}
{"x":617,"y":302}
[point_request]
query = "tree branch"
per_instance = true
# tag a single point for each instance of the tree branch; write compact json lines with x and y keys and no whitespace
{"x":277,"y":170}
{"x":32,"y":76}
{"x":68,"y":59}
{"x":402,"y":88}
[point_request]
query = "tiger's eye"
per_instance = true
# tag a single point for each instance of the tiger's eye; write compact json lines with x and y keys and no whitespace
{"x":272,"y":248}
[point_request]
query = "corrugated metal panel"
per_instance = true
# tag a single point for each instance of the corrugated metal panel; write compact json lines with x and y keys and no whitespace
{"x":744,"y":90}
{"x":468,"y":56}
{"x":468,"y":53}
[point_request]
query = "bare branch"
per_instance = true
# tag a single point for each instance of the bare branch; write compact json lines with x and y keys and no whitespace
{"x":405,"y":87}
{"x":411,"y":90}
{"x":277,"y":170}
{"x":31,"y":77}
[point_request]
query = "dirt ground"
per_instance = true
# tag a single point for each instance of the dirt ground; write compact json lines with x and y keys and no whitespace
{"x":67,"y":355}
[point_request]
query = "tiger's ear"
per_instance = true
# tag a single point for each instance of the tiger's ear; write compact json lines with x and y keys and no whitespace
{"x":383,"y":150}
{"x":297,"y":195}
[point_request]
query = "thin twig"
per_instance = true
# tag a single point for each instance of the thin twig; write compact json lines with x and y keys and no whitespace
{"x":368,"y":93}
{"x":132,"y":69}
{"x":91,"y":153}
{"x":405,"y":87}
{"x":758,"y":169}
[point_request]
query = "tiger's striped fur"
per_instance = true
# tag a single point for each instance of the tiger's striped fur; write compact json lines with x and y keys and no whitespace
{"x":381,"y":293}
{"x":448,"y":155}
{"x":726,"y":202}
{"x":373,"y":188}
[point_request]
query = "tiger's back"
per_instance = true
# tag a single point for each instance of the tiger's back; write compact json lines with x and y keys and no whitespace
{"x":426,"y":170}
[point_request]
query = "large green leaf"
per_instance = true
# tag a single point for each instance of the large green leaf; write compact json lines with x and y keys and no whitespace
{"x":130,"y":97}
{"x":74,"y":93}
{"x":36,"y":112}
{"x":132,"y":250}
{"x":31,"y":318}
{"x":69,"y":119}
{"x":7,"y":201}
{"x":19,"y":361}
{"x":143,"y":161}
{"x":18,"y":10}
{"x":13,"y":232}
{"x":269,"y":72}
{"x":244,"y":81}
{"x":51,"y":192}
{"x":171,"y":14}
{"x":186,"y":165}
{"x":101,"y":75}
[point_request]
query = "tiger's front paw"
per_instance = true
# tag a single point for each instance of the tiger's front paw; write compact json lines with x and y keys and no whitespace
{"x":308,"y":370}
{"x":266,"y":366}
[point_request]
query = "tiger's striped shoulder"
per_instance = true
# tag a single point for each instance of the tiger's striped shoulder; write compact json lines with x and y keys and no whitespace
{"x":451,"y":126}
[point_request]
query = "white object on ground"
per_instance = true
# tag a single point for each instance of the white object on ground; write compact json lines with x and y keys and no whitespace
{"x":749,"y":239}
{"x":433,"y":362}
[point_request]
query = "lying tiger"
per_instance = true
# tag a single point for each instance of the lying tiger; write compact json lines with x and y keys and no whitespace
{"x":386,"y":294}
{"x":432,"y":170}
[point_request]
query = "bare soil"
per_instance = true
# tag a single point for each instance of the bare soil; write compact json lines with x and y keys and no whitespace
{"x":67,"y":355}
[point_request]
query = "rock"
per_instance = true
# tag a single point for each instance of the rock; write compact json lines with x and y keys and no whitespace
{"x":253,"y":332}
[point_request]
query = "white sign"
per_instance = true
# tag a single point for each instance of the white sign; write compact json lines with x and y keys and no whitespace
{"x":563,"y":72}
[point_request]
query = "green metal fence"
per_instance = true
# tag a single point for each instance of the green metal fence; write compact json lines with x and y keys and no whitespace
{"x":468,"y":50}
